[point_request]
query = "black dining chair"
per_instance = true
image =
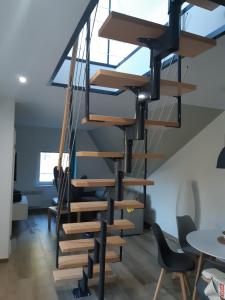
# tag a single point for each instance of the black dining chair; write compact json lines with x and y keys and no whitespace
{"x":186,"y":225}
{"x":171,"y":262}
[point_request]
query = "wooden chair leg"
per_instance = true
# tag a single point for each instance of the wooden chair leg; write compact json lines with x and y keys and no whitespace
{"x":159,"y":283}
{"x":199,"y":266}
{"x":187,"y":285}
{"x":182,"y":284}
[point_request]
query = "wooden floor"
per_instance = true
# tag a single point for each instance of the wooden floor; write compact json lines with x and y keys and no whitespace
{"x":28,"y":274}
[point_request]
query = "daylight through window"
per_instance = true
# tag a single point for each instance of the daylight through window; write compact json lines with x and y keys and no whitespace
{"x":48,"y":160}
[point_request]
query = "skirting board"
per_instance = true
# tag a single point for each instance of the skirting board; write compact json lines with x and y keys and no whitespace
{"x":4,"y":260}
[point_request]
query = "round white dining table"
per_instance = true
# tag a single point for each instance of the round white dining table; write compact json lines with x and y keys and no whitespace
{"x":206,"y":242}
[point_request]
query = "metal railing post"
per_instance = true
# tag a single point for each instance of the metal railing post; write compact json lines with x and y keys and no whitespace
{"x":102,"y":260}
{"x":87,"y":82}
{"x":179,"y":98}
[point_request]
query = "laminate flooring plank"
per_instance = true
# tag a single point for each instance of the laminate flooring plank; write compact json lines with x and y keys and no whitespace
{"x":28,"y":274}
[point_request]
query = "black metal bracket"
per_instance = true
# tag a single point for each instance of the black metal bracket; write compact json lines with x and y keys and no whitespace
{"x":167,"y":43}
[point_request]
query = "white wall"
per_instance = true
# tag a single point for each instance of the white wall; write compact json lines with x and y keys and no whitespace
{"x":7,"y":112}
{"x":30,"y":142}
{"x":196,"y":163}
{"x":92,"y":167}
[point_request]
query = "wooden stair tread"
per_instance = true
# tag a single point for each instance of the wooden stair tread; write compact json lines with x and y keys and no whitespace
{"x":81,"y":260}
{"x":108,"y":120}
{"x":109,"y":182}
{"x":209,"y":5}
{"x":136,"y":155}
{"x":99,"y":154}
{"x":103,"y":205}
{"x":128,"y":29}
{"x":94,"y":226}
{"x":120,"y":121}
{"x":88,"y":244}
{"x":77,"y":273}
{"x":68,"y":274}
{"x":119,"y":80}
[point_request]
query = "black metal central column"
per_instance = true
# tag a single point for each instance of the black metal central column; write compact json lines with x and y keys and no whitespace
{"x":128,"y":145}
{"x":119,"y":175}
{"x":146,"y":160}
{"x":155,"y":65}
{"x":110,"y":210}
{"x":140,"y":118}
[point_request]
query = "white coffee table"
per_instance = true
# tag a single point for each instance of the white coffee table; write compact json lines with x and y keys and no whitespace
{"x":206,"y":242}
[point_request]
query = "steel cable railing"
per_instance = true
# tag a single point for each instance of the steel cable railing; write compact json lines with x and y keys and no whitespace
{"x":77,"y":93}
{"x":152,"y":133}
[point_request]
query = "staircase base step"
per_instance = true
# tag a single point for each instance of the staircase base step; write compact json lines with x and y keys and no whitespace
{"x":61,"y":276}
{"x":67,"y":274}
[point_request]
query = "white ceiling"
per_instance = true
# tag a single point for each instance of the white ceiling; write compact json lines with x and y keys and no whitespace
{"x":33,"y":36}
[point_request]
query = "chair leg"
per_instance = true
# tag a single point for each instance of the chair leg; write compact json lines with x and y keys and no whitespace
{"x":187,"y":285}
{"x":162,"y":273}
{"x":182,"y":284}
{"x":199,"y":266}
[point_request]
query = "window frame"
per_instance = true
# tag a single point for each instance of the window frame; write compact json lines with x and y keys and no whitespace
{"x":45,"y":183}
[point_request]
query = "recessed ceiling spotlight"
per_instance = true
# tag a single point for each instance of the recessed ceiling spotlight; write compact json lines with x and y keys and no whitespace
{"x":22,"y":79}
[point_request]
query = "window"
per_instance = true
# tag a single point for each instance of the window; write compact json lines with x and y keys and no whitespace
{"x":48,"y":160}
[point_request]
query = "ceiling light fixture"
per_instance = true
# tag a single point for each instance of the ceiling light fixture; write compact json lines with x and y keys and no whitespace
{"x":22,"y":79}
